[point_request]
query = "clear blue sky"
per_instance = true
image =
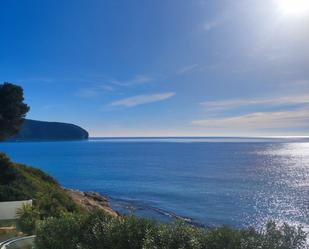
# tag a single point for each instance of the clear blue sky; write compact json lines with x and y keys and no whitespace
{"x":161,"y":68}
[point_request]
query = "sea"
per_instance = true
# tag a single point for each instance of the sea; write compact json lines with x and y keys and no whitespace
{"x":207,"y":181}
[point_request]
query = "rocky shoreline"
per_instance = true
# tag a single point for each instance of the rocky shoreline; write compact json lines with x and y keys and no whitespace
{"x":91,"y":201}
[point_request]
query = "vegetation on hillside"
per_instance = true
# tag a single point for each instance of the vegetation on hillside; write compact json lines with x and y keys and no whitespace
{"x":98,"y":230}
{"x":20,"y":182}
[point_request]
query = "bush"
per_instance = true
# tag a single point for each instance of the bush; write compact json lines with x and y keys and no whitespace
{"x":94,"y":230}
{"x":27,"y":218}
{"x":60,"y":233}
{"x":174,"y":236}
{"x":282,"y":237}
{"x":99,"y":230}
{"x":223,"y":238}
{"x":130,"y":232}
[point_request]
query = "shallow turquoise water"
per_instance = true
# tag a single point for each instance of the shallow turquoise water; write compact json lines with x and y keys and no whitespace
{"x":209,"y":180}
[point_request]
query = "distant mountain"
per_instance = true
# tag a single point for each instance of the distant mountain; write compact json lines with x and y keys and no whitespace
{"x":41,"y":130}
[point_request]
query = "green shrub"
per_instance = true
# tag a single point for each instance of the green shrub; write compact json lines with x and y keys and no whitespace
{"x":130,"y":232}
{"x":60,"y":233}
{"x":223,"y":238}
{"x":282,"y":237}
{"x":94,"y":230}
{"x":174,"y":236}
{"x":27,"y":216}
{"x":99,"y":230}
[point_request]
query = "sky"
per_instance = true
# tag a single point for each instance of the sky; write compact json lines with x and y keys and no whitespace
{"x":161,"y":68}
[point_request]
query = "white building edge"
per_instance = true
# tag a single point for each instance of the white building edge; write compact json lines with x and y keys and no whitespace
{"x":8,"y":209}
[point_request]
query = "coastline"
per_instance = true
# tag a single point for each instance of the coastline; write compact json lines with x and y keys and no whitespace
{"x":91,"y":201}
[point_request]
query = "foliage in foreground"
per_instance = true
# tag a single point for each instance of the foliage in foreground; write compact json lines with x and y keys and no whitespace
{"x":98,"y":230}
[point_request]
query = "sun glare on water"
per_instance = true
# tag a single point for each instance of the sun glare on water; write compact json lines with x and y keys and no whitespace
{"x":294,"y":7}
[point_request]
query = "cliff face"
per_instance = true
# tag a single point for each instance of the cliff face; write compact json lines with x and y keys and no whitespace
{"x":90,"y":201}
{"x":40,"y":130}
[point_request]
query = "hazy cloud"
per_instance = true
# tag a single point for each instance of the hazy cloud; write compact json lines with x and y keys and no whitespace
{"x":301,"y":83}
{"x":142,"y":99}
{"x":298,"y":118}
{"x":137,"y":80}
{"x":210,"y":25}
{"x":112,"y":85}
{"x":188,"y":69}
{"x":93,"y":91}
{"x":37,"y":79}
{"x":222,"y":105}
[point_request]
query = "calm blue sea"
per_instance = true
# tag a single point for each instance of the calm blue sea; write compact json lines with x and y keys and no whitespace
{"x":209,"y":181}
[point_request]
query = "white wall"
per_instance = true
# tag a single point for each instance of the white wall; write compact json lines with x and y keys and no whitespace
{"x":8,"y":209}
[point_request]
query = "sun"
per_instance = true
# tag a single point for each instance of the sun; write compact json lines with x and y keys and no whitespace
{"x":294,"y":7}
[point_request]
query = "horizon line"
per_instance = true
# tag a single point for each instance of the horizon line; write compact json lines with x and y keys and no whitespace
{"x":283,"y":136}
